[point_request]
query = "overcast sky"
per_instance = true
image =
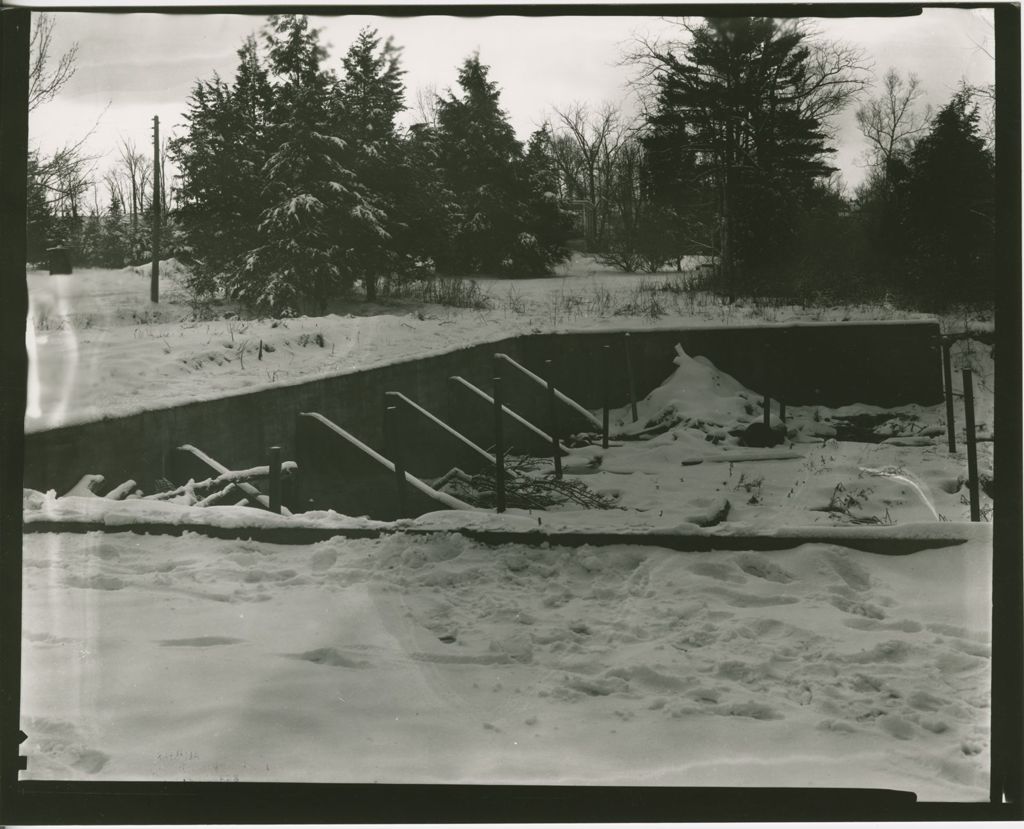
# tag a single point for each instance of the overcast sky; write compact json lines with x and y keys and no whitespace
{"x":134,"y":66}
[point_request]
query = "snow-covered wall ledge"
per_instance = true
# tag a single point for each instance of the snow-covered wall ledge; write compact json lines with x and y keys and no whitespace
{"x":89,"y":514}
{"x":881,"y":363}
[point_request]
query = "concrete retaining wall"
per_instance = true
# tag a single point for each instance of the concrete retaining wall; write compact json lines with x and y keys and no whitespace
{"x":884,"y":364}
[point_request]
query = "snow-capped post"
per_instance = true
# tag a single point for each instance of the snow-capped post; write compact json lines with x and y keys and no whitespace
{"x":499,"y":449}
{"x":392,"y":438}
{"x":972,"y":449}
{"x":556,"y":450}
{"x":607,"y":350}
{"x":274,"y":459}
{"x":154,"y":279}
{"x":947,"y":378}
{"x":629,"y":375}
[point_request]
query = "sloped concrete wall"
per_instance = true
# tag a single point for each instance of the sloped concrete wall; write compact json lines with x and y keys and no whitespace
{"x":884,"y":364}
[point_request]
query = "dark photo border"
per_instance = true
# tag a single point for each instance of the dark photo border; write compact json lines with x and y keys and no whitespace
{"x":44,"y":802}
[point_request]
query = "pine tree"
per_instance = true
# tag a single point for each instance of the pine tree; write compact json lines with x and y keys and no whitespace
{"x":948,"y":208}
{"x":542,"y":243}
{"x":504,"y":219}
{"x":221,"y":158}
{"x":370,"y":96}
{"x":318,"y":217}
{"x":427,"y":210}
{"x":480,"y":157}
{"x":733,"y":98}
{"x":112,"y":240}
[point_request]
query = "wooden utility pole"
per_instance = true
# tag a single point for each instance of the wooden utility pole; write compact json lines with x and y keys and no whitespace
{"x":154,"y":279}
{"x":972,"y":448}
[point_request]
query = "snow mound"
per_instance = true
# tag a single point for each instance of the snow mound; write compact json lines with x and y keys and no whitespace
{"x":168,"y":267}
{"x":699,"y":397}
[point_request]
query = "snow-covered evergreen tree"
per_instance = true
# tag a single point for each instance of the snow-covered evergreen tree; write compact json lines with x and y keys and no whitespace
{"x":221,"y":158}
{"x":501,"y":220}
{"x":548,"y":226}
{"x":949,"y":209}
{"x":318,"y":216}
{"x":427,"y":210}
{"x":370,"y":96}
{"x":481,"y":159}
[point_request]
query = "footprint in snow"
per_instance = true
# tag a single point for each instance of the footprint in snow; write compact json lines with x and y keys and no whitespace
{"x":330,"y":657}
{"x":200,"y":642}
{"x":763,"y":568}
{"x":721,"y":571}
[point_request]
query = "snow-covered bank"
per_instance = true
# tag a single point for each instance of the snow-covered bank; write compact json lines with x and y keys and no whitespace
{"x":99,"y":348}
{"x":396,"y":660}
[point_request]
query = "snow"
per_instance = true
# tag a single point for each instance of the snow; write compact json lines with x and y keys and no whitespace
{"x":423,"y":655}
{"x":404,"y":659}
{"x":99,"y":348}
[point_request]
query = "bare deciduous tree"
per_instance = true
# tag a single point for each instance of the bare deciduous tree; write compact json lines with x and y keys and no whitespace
{"x":135,"y":169}
{"x":585,"y":147}
{"x":427,"y":104}
{"x":891,"y":121}
{"x":837,"y":74}
{"x":44,"y":83}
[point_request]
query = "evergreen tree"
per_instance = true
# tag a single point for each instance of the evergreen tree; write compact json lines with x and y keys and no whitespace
{"x":484,"y":167}
{"x":221,"y":158}
{"x":112,"y":246}
{"x":948,"y":208}
{"x":427,"y":209}
{"x":547,"y":228}
{"x":733,"y":99}
{"x":479,"y":155}
{"x":370,"y":96}
{"x":318,"y":218}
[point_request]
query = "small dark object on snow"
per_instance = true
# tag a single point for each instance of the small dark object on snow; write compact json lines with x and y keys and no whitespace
{"x":761,"y":436}
{"x":59,"y":259}
{"x":448,"y":639}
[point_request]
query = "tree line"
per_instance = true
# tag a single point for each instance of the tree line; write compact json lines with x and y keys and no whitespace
{"x":736,"y":141}
{"x":297,"y":185}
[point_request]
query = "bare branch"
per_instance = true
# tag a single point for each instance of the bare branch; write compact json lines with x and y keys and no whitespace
{"x":891,"y":121}
{"x":43,"y":85}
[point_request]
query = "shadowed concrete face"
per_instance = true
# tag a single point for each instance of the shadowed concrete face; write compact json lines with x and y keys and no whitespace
{"x":882,"y":364}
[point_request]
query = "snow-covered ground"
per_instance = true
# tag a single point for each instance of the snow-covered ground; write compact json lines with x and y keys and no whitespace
{"x":98,"y":347}
{"x":410,"y":660}
{"x":438,"y":659}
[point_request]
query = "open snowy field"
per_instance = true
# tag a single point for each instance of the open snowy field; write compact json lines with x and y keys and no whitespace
{"x":98,"y":347}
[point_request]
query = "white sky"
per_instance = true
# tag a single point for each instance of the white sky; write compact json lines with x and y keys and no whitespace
{"x":145,"y":64}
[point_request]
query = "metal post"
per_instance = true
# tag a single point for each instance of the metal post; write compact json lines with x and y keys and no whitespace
{"x":972,"y":449}
{"x":629,"y":375}
{"x":556,"y":449}
{"x":275,"y":479}
{"x":947,"y":378}
{"x":154,"y":279}
{"x":499,"y":449}
{"x":607,"y":350}
{"x":392,"y":439}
